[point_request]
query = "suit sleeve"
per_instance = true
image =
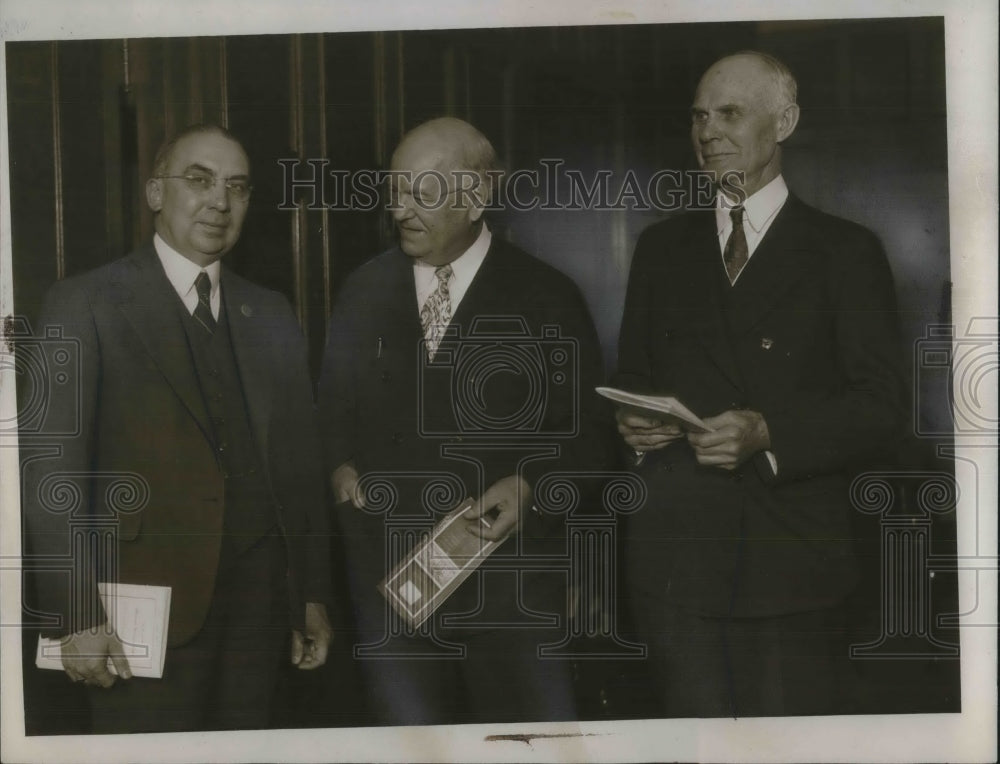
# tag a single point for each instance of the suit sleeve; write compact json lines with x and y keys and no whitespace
{"x":634,"y":372}
{"x":57,"y":453}
{"x":337,"y":395}
{"x":309,"y":545}
{"x":860,"y":415}
{"x":577,"y":408}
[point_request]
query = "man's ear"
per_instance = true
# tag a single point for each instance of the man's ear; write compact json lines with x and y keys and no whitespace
{"x":788,"y":118}
{"x":154,"y":194}
{"x":480,"y":197}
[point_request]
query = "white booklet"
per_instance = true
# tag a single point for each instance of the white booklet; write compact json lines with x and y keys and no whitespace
{"x":662,"y":407}
{"x":427,"y":576}
{"x":139,"y":615}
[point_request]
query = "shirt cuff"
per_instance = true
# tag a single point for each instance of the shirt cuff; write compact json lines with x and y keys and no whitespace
{"x":773,"y":461}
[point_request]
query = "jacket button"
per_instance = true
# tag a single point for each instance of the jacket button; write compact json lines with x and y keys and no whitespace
{"x":386,"y":376}
{"x":397,"y":438}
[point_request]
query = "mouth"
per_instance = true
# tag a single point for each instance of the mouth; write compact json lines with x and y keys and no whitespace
{"x":213,"y":226}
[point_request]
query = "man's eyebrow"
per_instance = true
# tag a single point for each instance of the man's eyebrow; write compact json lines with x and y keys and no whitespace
{"x":209,"y":171}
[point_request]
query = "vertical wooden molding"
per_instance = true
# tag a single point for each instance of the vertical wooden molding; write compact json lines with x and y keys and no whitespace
{"x":378,"y":96}
{"x":401,"y":85}
{"x":449,"y":81}
{"x":324,"y":212}
{"x":170,"y":126}
{"x":467,"y":66}
{"x":619,"y":219}
{"x":113,"y":74}
{"x":297,"y":140}
{"x":196,"y":106}
{"x":223,"y":84}
{"x":57,"y":162}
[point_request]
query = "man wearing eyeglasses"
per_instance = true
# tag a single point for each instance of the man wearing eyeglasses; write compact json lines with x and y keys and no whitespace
{"x":195,"y":381}
{"x":426,"y":394}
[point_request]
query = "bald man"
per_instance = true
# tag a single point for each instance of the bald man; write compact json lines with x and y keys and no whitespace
{"x":775,"y":323}
{"x":428,"y":381}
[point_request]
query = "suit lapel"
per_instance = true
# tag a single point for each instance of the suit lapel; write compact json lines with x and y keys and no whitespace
{"x":777,"y":264}
{"x":253,"y":342}
{"x":148,"y":301}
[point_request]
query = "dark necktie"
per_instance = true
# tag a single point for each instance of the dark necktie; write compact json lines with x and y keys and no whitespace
{"x":736,"y":254}
{"x":203,"y":310}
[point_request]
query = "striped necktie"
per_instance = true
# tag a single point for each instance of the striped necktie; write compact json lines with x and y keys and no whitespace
{"x":736,"y":253}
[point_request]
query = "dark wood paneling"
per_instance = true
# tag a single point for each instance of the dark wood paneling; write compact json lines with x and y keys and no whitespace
{"x":32,"y":171}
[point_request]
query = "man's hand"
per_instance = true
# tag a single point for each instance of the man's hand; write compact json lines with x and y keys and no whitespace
{"x":309,"y":651}
{"x":645,"y":433}
{"x":344,"y":482}
{"x":498,"y":511}
{"x":737,"y":436}
{"x":85,"y":656}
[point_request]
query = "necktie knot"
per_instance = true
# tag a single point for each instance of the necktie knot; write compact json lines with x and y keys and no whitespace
{"x":736,"y":215}
{"x":443,"y":273}
{"x":203,"y":286}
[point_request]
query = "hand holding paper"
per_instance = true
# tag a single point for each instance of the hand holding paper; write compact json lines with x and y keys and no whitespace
{"x":498,"y":511}
{"x":736,"y":436}
{"x":644,"y":433}
{"x":85,"y":656}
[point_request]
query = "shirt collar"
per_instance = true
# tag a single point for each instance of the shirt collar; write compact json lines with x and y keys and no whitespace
{"x":465,"y":266}
{"x":182,"y":272}
{"x":757,"y":209}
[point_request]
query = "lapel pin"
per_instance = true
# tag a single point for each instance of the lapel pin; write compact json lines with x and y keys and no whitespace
{"x":246,"y":310}
{"x":766,"y":343}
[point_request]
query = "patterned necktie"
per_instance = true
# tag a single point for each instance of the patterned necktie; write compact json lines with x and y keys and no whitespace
{"x":736,"y":253}
{"x":436,"y":313}
{"x":203,"y":310}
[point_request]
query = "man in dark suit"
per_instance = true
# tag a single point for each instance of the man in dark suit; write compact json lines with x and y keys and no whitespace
{"x":192,"y":382}
{"x":457,"y":366}
{"x":775,"y":323}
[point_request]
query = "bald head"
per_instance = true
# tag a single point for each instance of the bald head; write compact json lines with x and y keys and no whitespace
{"x":441,"y":184}
{"x":769,"y":75}
{"x":451,"y":144}
{"x":743,"y":109}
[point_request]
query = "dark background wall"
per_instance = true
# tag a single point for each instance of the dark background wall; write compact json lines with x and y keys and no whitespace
{"x":85,"y":119}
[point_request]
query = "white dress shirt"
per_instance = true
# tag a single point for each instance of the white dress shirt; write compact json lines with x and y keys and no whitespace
{"x":182,"y":274}
{"x":463,"y":269}
{"x":759,"y":211}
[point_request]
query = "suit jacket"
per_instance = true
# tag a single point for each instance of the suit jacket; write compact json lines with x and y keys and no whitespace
{"x":808,"y":337}
{"x":510,"y":390}
{"x":141,"y":414}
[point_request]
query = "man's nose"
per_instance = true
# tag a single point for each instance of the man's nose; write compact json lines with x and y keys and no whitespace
{"x":218,"y":195}
{"x":707,"y":129}
{"x":401,"y":207}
